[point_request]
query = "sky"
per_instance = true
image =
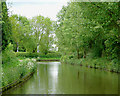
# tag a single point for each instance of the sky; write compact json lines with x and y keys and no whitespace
{"x":46,"y":8}
{"x":31,"y":8}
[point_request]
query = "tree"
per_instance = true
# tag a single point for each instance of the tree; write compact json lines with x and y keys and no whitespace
{"x":22,"y":33}
{"x":89,"y":28}
{"x":73,"y":32}
{"x":42,"y":30}
{"x":6,"y":26}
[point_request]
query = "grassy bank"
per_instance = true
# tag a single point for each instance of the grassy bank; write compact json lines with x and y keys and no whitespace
{"x":17,"y":71}
{"x":98,"y":63}
{"x":12,"y":68}
{"x":48,"y":59}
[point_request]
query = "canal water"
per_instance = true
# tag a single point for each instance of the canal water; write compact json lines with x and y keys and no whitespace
{"x":57,"y":78}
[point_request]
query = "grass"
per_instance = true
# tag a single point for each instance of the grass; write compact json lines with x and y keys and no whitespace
{"x":12,"y":68}
{"x":98,"y":63}
{"x":16,"y":71}
{"x":38,"y":59}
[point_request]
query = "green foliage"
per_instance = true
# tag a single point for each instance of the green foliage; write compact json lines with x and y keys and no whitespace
{"x":12,"y":68}
{"x":17,"y":71}
{"x":53,"y":55}
{"x":26,"y":35}
{"x":43,"y":33}
{"x":15,"y":30}
{"x":6,"y":26}
{"x":31,"y":34}
{"x":97,"y":63}
{"x":48,"y":59}
{"x":89,"y":30}
{"x":22,"y":33}
{"x":35,"y":55}
{"x":27,"y":54}
{"x":8,"y":56}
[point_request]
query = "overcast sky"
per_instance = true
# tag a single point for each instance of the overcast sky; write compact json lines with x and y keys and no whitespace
{"x":30,"y":8}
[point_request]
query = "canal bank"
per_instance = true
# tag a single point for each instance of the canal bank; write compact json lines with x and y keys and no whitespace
{"x":98,"y":63}
{"x":15,"y":83}
{"x":19,"y":73}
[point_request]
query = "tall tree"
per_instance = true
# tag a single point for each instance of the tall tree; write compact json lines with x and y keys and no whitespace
{"x":42,"y":30}
{"x":22,"y":33}
{"x":89,"y":27}
{"x":6,"y":26}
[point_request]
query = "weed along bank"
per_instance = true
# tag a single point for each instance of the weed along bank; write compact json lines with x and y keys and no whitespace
{"x":19,"y":73}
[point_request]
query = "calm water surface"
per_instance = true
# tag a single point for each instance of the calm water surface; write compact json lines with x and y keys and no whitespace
{"x":57,"y":78}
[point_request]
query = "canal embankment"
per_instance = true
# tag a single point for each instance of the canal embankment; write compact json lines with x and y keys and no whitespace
{"x":98,"y":63}
{"x":19,"y":73}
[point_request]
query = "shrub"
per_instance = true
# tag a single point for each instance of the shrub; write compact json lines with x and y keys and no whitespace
{"x":26,"y":54}
{"x":8,"y":55}
{"x":35,"y":55}
{"x":64,"y":59}
{"x":50,"y":55}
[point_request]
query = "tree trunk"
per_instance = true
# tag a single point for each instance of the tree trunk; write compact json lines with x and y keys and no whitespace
{"x":17,"y":47}
{"x":35,"y":50}
{"x":84,"y":56}
{"x":78,"y":55}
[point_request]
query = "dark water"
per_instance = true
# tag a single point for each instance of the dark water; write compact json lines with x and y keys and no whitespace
{"x":57,"y":78}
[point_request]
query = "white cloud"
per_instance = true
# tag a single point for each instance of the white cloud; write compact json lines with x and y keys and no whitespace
{"x":30,"y":9}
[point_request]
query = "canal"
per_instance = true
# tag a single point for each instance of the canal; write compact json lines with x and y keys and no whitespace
{"x":57,"y":78}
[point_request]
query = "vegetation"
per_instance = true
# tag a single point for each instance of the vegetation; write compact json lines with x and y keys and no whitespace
{"x":28,"y":36}
{"x":48,"y":59}
{"x":35,"y":55}
{"x":12,"y":68}
{"x":97,"y":63}
{"x":6,"y":26}
{"x":16,"y":71}
{"x":42,"y":30}
{"x":31,"y":35}
{"x":89,"y":30}
{"x":86,"y":34}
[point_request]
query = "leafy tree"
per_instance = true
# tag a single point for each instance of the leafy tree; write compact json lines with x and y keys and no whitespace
{"x":89,"y":29}
{"x":6,"y":26}
{"x":71,"y":30}
{"x":42,"y":30}
{"x":22,"y":33}
{"x":105,"y":16}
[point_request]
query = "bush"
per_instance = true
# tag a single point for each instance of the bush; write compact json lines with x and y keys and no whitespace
{"x":26,"y":54}
{"x":8,"y":55}
{"x":50,"y":55}
{"x":64,"y":59}
{"x":35,"y":55}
